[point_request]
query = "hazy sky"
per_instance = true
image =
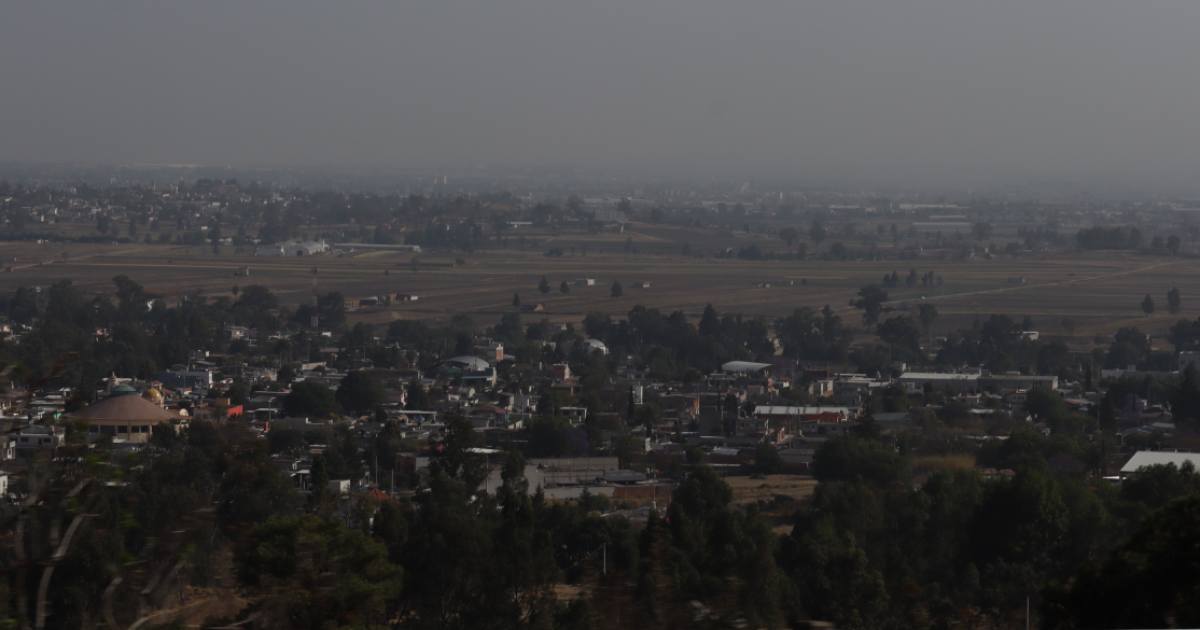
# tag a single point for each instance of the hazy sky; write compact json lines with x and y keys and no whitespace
{"x":888,"y":90}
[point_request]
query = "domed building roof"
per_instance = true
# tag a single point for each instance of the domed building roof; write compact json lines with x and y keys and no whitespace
{"x":466,"y":362}
{"x":744,"y":367}
{"x":596,"y":344}
{"x":124,"y":409}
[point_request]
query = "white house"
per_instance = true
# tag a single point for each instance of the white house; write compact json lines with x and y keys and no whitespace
{"x":40,"y":436}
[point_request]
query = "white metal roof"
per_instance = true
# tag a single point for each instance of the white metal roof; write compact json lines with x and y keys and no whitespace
{"x":938,"y":376}
{"x":1142,"y":459}
{"x":469,"y":362}
{"x":1021,"y":377}
{"x":596,"y":344}
{"x":744,"y":366}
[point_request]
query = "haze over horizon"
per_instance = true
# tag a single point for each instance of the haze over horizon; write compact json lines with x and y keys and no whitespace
{"x":915,"y":92}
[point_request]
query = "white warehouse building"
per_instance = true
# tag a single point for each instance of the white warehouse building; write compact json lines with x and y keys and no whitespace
{"x":292,"y":248}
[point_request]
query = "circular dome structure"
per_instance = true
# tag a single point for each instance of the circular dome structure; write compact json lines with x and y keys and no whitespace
{"x":468,"y":363}
{"x":124,"y":417}
{"x":154,"y":396}
{"x":122,"y":390}
{"x":595,"y":345}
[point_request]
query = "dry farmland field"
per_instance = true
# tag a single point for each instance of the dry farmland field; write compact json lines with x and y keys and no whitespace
{"x":753,"y":489}
{"x":1082,"y":294}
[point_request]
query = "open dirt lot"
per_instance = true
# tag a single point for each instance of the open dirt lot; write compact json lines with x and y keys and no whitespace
{"x":751,"y":490}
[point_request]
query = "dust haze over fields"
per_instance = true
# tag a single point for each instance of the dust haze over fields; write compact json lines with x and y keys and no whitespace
{"x":938,"y":92}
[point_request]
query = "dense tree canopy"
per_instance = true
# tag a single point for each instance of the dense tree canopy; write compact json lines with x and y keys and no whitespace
{"x":359,"y":392}
{"x":310,"y":399}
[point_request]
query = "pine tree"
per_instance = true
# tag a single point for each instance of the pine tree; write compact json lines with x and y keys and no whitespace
{"x":416,"y":398}
{"x":710,"y":324}
{"x":1174,"y":301}
{"x":1185,"y":401}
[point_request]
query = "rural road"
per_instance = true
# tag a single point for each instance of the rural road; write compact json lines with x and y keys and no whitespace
{"x":1022,"y":287}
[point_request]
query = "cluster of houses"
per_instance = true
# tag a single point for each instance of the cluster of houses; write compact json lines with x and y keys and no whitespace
{"x":727,"y":415}
{"x":386,"y":299}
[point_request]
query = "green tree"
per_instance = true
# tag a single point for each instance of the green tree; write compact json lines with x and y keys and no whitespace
{"x":789,"y":235}
{"x":616,"y":290}
{"x":331,"y":307}
{"x":523,"y":568}
{"x":1174,"y":301}
{"x":1185,"y":400}
{"x":543,"y":286}
{"x":870,"y":300}
{"x":810,"y":335}
{"x":1150,"y":580}
{"x":817,"y":232}
{"x":1129,"y":347}
{"x":309,"y":399}
{"x":1053,"y":357}
{"x":509,"y":329}
{"x":1045,"y":406}
{"x":850,"y":458}
{"x":718,"y":549}
{"x":1173,"y":244}
{"x":1148,"y":305}
{"x":981,"y":231}
{"x":766,"y":459}
{"x":454,"y":457}
{"x":710,"y":322}
{"x":902,"y":334}
{"x":927,"y":313}
{"x":252,"y":488}
{"x":359,"y":392}
{"x":1153,"y":487}
{"x":257,"y":296}
{"x":548,"y":437}
{"x":319,"y":574}
{"x":450,"y":537}
{"x":319,"y":478}
{"x":1019,"y":535}
{"x":416,"y":397}
{"x":131,"y":297}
